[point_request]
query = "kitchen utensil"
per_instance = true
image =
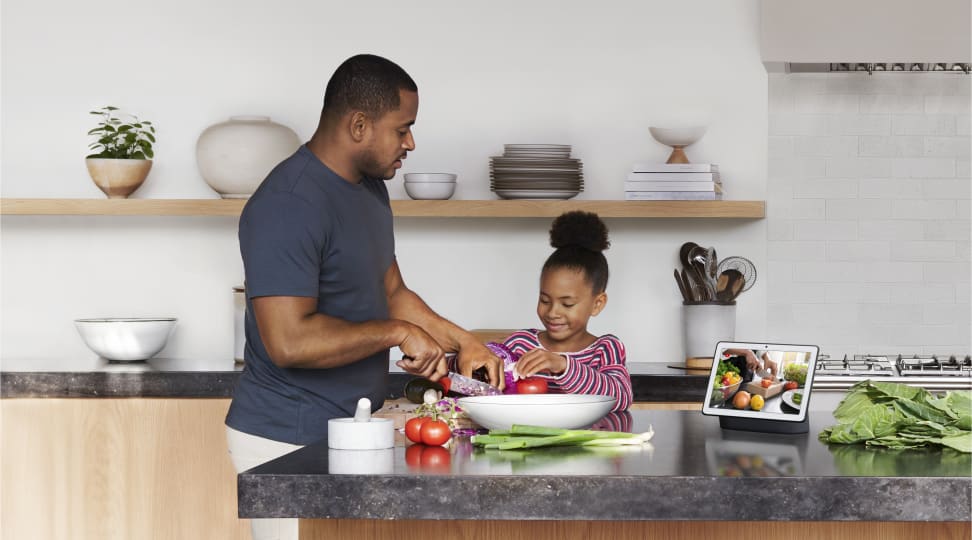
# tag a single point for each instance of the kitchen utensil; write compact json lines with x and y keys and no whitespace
{"x":125,"y":340}
{"x":744,"y":266}
{"x":568,"y":411}
{"x":711,"y":265}
{"x":684,"y":253}
{"x":690,"y":279}
{"x":681,"y":287}
{"x":430,"y":190}
{"x":471,"y":387}
{"x":361,"y":432}
{"x":729,"y":285}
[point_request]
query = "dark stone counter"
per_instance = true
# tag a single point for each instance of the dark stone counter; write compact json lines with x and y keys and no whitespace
{"x":692,"y":471}
{"x":177,"y":378}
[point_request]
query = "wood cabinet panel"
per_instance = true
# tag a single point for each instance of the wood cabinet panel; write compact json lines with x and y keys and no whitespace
{"x":116,"y":469}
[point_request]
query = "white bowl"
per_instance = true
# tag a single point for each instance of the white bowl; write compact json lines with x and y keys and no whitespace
{"x":568,"y":411}
{"x":430,"y":177}
{"x":679,"y":136}
{"x":125,"y":339}
{"x":430,"y":190}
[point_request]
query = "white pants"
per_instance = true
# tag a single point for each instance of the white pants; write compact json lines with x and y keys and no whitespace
{"x":247,"y":451}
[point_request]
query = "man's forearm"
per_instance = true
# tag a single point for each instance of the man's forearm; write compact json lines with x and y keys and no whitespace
{"x":405,"y":305}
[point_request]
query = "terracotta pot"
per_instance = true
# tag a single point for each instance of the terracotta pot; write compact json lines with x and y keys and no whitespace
{"x":118,"y":178}
{"x":235,"y":156}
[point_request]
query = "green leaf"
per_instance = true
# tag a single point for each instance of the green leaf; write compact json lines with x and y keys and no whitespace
{"x":138,"y":155}
{"x":110,"y":108}
{"x":149,"y":136}
{"x":150,"y":153}
{"x":124,"y":129}
{"x":962,"y":443}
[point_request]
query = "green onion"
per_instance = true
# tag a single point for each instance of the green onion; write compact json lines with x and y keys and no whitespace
{"x":520,"y":436}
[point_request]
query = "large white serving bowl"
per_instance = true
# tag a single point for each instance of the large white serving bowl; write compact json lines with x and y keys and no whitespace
{"x":125,"y":339}
{"x":568,"y":411}
{"x":677,"y":136}
{"x":430,"y":190}
{"x":439,"y":177}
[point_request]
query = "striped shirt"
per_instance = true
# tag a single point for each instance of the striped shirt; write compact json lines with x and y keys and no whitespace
{"x":598,"y":369}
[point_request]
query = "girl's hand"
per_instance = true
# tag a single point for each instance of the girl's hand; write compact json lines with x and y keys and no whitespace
{"x":538,"y":361}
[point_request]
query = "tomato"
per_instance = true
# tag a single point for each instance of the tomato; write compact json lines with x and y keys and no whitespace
{"x":791,"y":385}
{"x":435,"y":433}
{"x":436,"y":459}
{"x":446,"y":384}
{"x":531,"y":385}
{"x":756,"y":403}
{"x":413,"y":455}
{"x":766,"y":383}
{"x":413,"y":428}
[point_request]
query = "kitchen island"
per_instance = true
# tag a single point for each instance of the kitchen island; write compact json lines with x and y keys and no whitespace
{"x":691,"y":481}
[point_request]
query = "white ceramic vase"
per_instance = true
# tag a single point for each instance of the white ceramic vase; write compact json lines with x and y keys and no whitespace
{"x":236,"y":155}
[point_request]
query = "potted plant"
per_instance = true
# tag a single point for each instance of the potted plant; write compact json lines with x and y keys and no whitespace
{"x":123,"y":155}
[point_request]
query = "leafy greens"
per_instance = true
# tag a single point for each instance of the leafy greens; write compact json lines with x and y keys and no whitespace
{"x":900,"y":416}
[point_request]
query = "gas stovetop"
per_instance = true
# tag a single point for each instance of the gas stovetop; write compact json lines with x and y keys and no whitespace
{"x":933,"y":372}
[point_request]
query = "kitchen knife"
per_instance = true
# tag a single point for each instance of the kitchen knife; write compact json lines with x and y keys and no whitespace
{"x":470,"y":387}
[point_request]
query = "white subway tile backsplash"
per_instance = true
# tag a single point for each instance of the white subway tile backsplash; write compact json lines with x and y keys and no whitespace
{"x":891,"y":146}
{"x":963,"y":168}
{"x":958,"y":229}
{"x":848,"y":167}
{"x":796,"y":167}
{"x":947,"y":272}
{"x":963,"y":126}
{"x":826,"y":104}
{"x":858,"y":293}
{"x":921,"y":124}
{"x":825,"y":146}
{"x":946,"y":314}
{"x":869,"y":242}
{"x":918,"y":209}
{"x":922,"y":168}
{"x":947,"y":147}
{"x":796,"y":251}
{"x":862,"y":124}
{"x":815,"y":314}
{"x":781,"y":146}
{"x":949,"y":188}
{"x":890,"y":188}
{"x":827,"y":272}
{"x":824,"y":230}
{"x":947,"y":104}
{"x":924,"y":294}
{"x":890,"y":313}
{"x":892,"y":272}
{"x":925,"y":250}
{"x":859,"y":251}
{"x":798,"y":124}
{"x":891,"y":230}
{"x":891,"y":103}
{"x":820,"y":188}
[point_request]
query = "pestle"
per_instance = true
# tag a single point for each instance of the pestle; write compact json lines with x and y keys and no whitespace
{"x":363,"y":412}
{"x":360,"y":432}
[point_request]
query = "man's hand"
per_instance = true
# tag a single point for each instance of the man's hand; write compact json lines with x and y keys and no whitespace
{"x":423,"y":356}
{"x":474,"y":355}
{"x":539,"y":361}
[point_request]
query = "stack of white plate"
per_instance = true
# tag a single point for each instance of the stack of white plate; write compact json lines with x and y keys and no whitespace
{"x":535,"y":171}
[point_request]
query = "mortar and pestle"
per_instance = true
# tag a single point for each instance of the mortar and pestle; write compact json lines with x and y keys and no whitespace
{"x":362,"y":444}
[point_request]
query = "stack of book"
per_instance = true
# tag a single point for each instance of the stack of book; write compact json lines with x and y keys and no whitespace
{"x":673,"y":182}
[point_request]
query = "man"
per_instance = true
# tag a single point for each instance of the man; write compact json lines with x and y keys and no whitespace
{"x":325,"y":298}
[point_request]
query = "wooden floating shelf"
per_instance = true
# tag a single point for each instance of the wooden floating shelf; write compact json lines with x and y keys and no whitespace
{"x":401,"y":208}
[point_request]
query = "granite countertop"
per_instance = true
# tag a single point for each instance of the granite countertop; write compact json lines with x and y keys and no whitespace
{"x":693,"y":470}
{"x":193,"y":378}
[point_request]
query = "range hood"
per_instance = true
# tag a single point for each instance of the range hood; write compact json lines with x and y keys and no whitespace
{"x":894,"y":36}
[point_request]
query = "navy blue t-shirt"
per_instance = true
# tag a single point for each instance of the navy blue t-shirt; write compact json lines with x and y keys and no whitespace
{"x":308,"y":232}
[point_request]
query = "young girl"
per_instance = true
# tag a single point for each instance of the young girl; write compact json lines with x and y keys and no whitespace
{"x":572,"y":290}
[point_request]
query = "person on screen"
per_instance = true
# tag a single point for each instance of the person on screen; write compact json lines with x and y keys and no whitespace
{"x":751,"y":365}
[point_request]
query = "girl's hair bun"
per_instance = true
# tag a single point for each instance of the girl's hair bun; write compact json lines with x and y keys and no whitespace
{"x":582,"y":229}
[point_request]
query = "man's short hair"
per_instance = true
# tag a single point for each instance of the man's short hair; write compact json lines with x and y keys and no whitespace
{"x":366,"y":83}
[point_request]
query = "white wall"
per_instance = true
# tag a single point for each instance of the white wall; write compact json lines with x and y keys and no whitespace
{"x":868,"y":212}
{"x":594,"y":75}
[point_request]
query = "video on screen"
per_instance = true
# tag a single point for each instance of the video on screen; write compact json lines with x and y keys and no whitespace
{"x":770,"y":382}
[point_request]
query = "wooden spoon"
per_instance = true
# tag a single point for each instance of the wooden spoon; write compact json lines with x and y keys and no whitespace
{"x":729,"y":285}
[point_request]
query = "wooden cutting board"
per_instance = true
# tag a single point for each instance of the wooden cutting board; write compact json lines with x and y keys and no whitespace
{"x":755,"y":388}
